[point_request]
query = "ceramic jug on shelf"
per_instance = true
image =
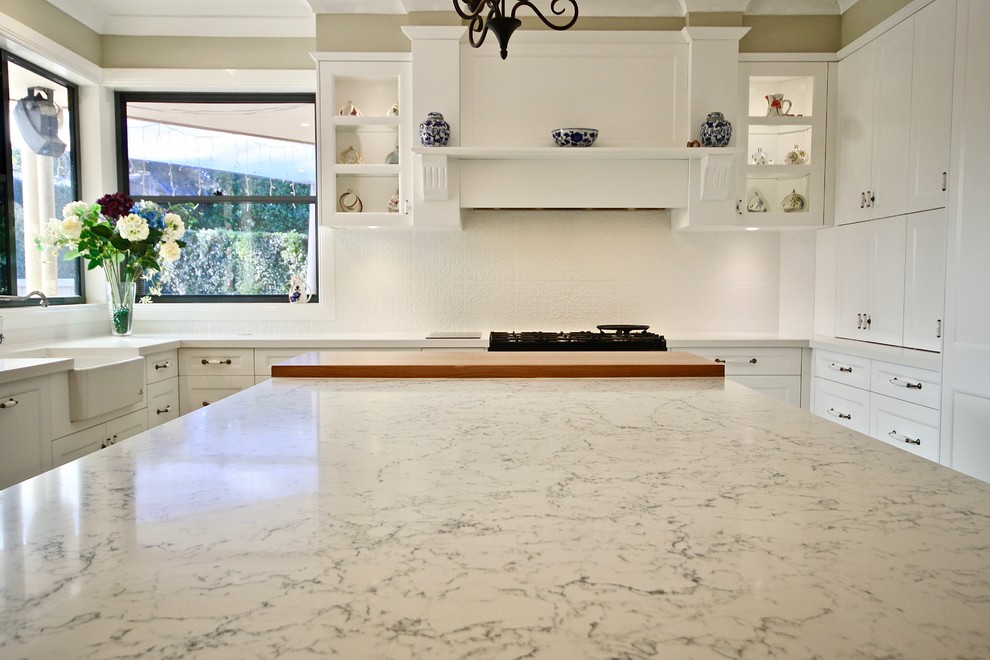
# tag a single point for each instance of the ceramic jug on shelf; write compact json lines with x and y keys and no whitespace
{"x":775,"y":105}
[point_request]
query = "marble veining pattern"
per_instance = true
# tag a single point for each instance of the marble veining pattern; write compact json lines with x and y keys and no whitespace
{"x":626,"y":518}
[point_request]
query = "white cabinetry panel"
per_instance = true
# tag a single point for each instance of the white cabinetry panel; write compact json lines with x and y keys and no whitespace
{"x":24,"y":430}
{"x":843,"y":404}
{"x":905,"y":425}
{"x":924,"y":280}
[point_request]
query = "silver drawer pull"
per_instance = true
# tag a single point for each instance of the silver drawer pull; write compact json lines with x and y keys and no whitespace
{"x":837,"y":367}
{"x":109,"y":442}
{"x":162,"y":365}
{"x":9,"y":403}
{"x":216,"y":361}
{"x":835,"y":413}
{"x":162,"y":411}
{"x":739,"y":361}
{"x":903,"y":438}
{"x":905,"y":383}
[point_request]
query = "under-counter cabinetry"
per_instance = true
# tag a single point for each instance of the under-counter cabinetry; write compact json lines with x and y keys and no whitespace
{"x":782,"y":120}
{"x":24,"y":430}
{"x":890,"y":276}
{"x":894,"y":119}
{"x":364,"y":140}
{"x":895,"y":403}
{"x":207,"y":375}
{"x":775,"y":371}
{"x":163,"y":387}
{"x":76,"y":445}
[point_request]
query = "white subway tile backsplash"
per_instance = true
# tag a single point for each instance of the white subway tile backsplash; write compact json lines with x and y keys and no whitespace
{"x":556,"y":270}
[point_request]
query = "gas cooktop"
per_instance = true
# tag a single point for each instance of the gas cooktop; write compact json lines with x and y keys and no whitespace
{"x":607,"y":338}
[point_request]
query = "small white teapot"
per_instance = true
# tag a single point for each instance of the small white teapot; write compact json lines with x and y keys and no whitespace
{"x":299,"y":291}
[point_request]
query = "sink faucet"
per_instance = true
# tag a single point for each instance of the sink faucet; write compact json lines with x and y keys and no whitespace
{"x":42,"y":297}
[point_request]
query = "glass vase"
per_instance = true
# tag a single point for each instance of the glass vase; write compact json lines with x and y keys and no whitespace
{"x":120,"y":302}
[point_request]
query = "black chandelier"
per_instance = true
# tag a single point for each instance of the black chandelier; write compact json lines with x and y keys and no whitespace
{"x":490,"y":15}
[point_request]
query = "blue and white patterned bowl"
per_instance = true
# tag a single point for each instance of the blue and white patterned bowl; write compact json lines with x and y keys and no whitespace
{"x":574,"y":137}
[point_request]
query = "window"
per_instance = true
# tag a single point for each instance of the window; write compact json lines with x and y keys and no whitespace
{"x":38,"y":177}
{"x":240,"y":169}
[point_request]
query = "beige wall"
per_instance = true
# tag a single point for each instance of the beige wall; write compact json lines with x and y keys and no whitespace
{"x":56,"y":25}
{"x":867,"y":14}
{"x":207,"y":53}
{"x":791,"y":34}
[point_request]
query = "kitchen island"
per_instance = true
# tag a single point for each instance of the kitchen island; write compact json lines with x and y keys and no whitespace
{"x":497,"y":518}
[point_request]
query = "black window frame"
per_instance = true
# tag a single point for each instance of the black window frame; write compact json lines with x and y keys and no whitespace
{"x":8,"y":279}
{"x":122,"y":98}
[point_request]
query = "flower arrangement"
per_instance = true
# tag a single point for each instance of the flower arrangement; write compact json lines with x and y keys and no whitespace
{"x":127,"y":239}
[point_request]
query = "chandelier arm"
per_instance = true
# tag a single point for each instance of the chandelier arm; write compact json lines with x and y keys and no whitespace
{"x":478,"y":26}
{"x":553,"y":9}
{"x":474,"y":8}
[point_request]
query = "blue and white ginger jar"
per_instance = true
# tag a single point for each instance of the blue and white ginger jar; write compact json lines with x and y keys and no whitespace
{"x":434,"y":131}
{"x":716,"y":131}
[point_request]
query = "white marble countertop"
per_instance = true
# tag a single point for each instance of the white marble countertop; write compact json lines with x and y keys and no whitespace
{"x":681,"y":518}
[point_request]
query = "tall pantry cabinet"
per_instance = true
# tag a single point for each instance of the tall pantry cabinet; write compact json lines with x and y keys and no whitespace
{"x":889,"y":243}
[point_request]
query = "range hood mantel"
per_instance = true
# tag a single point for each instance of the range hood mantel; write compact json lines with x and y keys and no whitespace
{"x":594,"y":177}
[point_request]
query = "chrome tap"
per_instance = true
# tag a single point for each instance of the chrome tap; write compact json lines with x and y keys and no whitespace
{"x":42,"y":298}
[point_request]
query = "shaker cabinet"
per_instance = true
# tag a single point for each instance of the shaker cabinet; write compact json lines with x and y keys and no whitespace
{"x":870,"y":281}
{"x":24,"y":430}
{"x":924,"y":280}
{"x":874,"y":121}
{"x":894,"y":112}
{"x":931,"y":105}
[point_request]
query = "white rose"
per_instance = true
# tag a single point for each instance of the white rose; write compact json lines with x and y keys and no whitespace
{"x":170,"y":251}
{"x":71,"y":228}
{"x":74,"y":209}
{"x":174,"y":227}
{"x":133,"y":227}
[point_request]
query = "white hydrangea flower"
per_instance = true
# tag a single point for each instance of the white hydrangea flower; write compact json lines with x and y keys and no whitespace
{"x":49,"y":235}
{"x":74,"y":209}
{"x":133,"y":227}
{"x":174,"y":227}
{"x":170,"y":251}
{"x":71,"y":228}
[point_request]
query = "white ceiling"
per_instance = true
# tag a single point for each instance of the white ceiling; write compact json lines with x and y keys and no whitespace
{"x":294,"y":18}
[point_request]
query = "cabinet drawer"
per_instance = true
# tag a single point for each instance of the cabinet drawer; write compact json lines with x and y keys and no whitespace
{"x":195,"y":392}
{"x":264,"y":358}
{"x":906,"y":425}
{"x":753,"y":361}
{"x":163,"y":401}
{"x":911,"y":384}
{"x":161,"y":366}
{"x":216,"y":361}
{"x":80,"y":443}
{"x":843,"y":404}
{"x":843,"y":368}
{"x":784,"y":388}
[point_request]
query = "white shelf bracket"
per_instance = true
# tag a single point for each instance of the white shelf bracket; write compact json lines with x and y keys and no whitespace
{"x":434,"y":173}
{"x":716,"y":177}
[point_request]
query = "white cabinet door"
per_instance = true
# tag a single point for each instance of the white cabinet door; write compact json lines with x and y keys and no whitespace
{"x":887,"y":194}
{"x":931,"y":105}
{"x":869,"y":302}
{"x":885,"y":315}
{"x":24,"y":430}
{"x":874,"y":125}
{"x":843,"y":404}
{"x":924,"y":280}
{"x":197,"y":392}
{"x":852,"y":280}
{"x":853,"y":171}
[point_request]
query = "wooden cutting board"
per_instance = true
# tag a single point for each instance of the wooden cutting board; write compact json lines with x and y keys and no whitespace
{"x":484,"y":364}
